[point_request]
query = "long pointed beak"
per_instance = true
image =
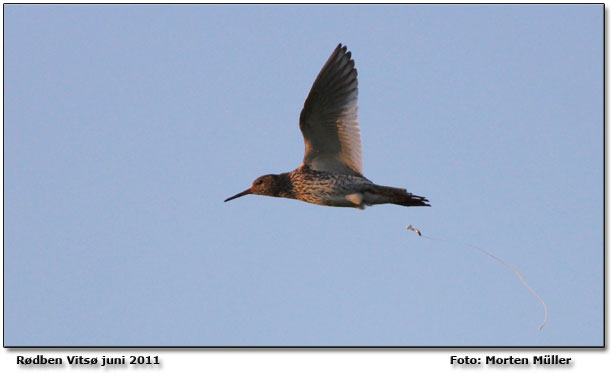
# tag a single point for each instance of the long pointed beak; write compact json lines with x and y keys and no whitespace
{"x":248,"y":191}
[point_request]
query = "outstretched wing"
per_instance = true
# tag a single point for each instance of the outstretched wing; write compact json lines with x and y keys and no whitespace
{"x":329,"y":118}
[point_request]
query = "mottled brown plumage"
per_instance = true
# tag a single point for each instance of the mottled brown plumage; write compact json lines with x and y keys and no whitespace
{"x":331,"y":173}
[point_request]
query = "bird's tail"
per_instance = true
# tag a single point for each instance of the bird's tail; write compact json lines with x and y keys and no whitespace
{"x":399,"y":196}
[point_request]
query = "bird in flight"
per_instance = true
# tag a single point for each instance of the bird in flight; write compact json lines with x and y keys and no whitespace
{"x":331,"y":173}
{"x":411,"y":228}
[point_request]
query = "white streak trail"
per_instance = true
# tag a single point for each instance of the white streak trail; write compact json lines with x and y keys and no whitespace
{"x":513,"y":271}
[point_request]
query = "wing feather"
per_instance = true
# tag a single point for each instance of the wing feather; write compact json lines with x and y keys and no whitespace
{"x":329,"y":118}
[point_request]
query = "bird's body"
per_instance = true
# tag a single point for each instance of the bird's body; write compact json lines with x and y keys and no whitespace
{"x":340,"y":190}
{"x":320,"y":187}
{"x":331,"y":173}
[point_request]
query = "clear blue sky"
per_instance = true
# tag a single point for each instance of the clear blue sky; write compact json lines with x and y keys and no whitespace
{"x":127,"y":126}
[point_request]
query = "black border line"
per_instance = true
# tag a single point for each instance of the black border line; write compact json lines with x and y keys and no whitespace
{"x":323,"y":347}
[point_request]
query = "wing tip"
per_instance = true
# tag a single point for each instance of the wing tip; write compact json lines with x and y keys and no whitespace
{"x":342,"y":48}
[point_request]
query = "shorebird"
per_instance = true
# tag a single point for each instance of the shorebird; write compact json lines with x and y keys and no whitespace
{"x":331,"y":173}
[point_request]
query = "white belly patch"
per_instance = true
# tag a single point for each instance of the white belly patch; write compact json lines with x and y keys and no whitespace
{"x":355,"y":198}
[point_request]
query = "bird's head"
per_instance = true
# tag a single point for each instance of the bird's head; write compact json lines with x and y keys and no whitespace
{"x":266,"y":185}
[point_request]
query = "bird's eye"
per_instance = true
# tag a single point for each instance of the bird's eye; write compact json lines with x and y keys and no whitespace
{"x":259,"y":182}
